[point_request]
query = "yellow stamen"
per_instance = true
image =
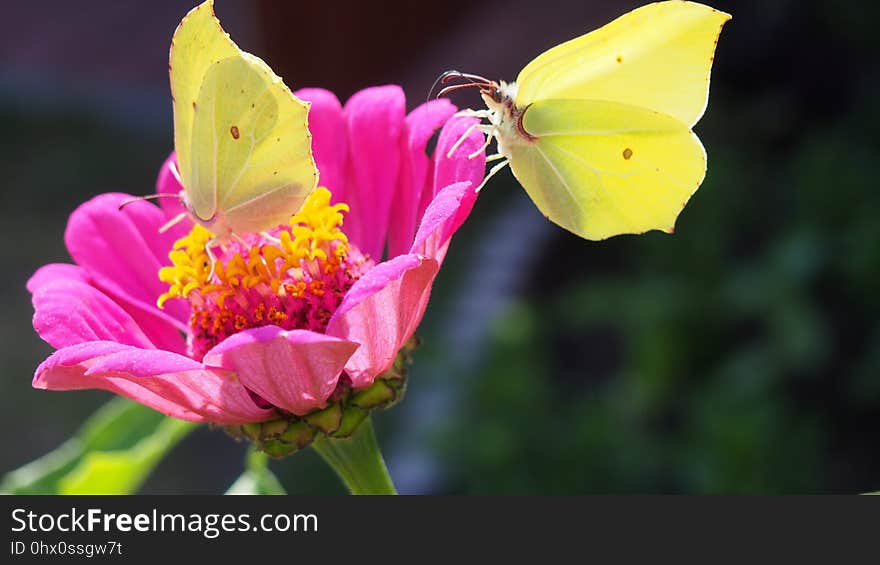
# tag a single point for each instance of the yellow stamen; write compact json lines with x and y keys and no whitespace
{"x":314,"y":240}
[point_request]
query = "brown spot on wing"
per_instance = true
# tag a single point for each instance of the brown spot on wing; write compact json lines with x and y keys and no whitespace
{"x":619,"y":58}
{"x":234,"y":131}
{"x":627,"y":153}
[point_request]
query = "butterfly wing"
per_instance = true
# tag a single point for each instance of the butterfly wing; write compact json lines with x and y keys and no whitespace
{"x":658,"y":57}
{"x":252,"y":146}
{"x":198,"y":42}
{"x":242,"y":139}
{"x":600,"y":168}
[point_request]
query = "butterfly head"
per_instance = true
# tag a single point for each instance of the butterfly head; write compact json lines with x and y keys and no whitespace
{"x":500,"y":97}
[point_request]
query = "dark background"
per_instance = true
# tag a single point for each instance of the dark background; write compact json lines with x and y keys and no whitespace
{"x":741,"y":355}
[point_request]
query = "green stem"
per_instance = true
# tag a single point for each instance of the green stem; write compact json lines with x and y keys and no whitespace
{"x":257,"y":477}
{"x":357,"y":460}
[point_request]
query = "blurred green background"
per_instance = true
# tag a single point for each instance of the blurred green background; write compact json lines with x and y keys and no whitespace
{"x":741,"y":355}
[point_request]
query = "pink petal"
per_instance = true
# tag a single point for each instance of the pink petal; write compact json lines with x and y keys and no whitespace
{"x":55,"y":271}
{"x":122,"y":250}
{"x":69,"y":311}
{"x":172,"y":384}
{"x":329,"y":140}
{"x":420,"y":125}
{"x":374,"y":117}
{"x":381,"y":312}
{"x":63,"y":305}
{"x":167,"y":184}
{"x":459,"y":167}
{"x":442,"y":218}
{"x":296,"y":370}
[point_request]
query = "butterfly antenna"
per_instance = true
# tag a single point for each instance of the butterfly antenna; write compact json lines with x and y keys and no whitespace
{"x":148,"y":197}
{"x":448,"y":76}
{"x":455,"y":87}
{"x":434,"y":85}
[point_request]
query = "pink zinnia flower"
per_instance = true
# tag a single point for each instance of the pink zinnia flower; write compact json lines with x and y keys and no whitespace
{"x":285,"y":320}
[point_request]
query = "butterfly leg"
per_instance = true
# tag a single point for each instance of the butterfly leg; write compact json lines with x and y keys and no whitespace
{"x":173,"y":168}
{"x":209,"y":246}
{"x":460,"y":140}
{"x":470,"y":113}
{"x":172,"y":222}
{"x":491,"y":174}
{"x":490,"y":135}
{"x":239,"y":239}
{"x":270,"y":237}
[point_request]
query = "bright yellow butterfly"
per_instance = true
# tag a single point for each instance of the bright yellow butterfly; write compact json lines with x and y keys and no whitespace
{"x":243,"y":145}
{"x":598,"y":129}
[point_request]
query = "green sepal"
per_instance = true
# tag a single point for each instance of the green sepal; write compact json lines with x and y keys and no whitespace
{"x":378,"y":394}
{"x":277,"y":449}
{"x":298,"y":434}
{"x":252,"y":431}
{"x":295,"y":436}
{"x":351,"y":419}
{"x":274,"y":428}
{"x":399,"y":386}
{"x":327,"y":420}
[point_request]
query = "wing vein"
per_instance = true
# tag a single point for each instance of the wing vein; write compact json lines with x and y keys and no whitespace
{"x":599,"y":132}
{"x":562,"y":179}
{"x":216,"y":142}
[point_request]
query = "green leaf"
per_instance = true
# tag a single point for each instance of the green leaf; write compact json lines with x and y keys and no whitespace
{"x":257,"y":478}
{"x":123,"y":471}
{"x":112,"y":453}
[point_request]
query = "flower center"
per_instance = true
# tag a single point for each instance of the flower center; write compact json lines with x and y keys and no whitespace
{"x":292,"y":276}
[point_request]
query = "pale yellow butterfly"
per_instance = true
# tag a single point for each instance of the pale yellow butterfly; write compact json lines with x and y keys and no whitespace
{"x":244,"y":150}
{"x":598,"y":129}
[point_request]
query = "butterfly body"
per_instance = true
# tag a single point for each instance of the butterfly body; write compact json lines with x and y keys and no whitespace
{"x":504,"y":116}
